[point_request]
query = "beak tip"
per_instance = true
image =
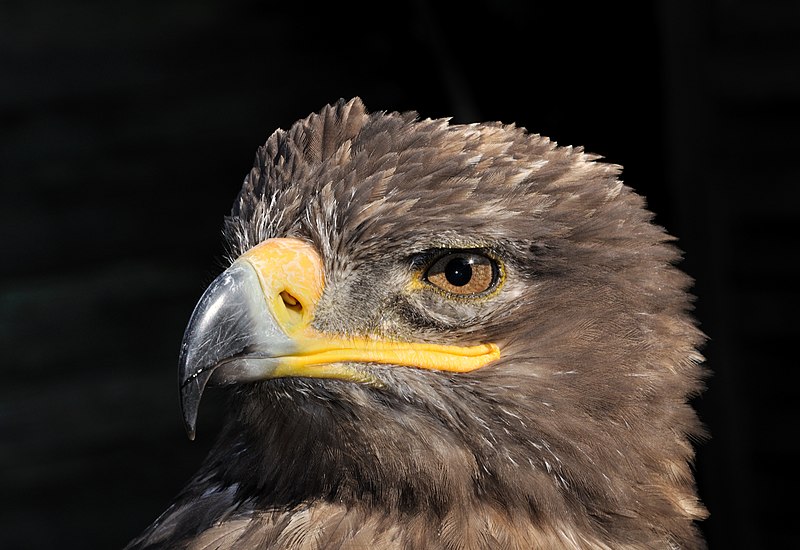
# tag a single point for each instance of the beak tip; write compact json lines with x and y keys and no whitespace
{"x":189,"y":424}
{"x":191,"y":391}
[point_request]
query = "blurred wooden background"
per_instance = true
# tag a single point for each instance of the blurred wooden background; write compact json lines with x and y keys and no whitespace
{"x":127,"y":127}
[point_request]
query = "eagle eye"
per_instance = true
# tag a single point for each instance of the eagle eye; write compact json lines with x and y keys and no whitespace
{"x":463,"y":273}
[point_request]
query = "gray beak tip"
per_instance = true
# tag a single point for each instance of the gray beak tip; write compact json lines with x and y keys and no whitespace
{"x":191,"y":392}
{"x":189,"y":406}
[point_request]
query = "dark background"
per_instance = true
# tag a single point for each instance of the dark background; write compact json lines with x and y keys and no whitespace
{"x":126,"y":129}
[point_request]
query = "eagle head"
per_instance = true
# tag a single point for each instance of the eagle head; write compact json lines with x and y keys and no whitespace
{"x":440,"y":336}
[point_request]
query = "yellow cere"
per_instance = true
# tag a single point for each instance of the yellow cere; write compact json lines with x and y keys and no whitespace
{"x":292,"y":278}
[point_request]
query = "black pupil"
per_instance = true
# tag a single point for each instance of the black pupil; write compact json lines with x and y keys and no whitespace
{"x":458,"y":271}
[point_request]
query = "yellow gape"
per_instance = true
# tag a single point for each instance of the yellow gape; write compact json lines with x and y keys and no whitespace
{"x":292,"y":279}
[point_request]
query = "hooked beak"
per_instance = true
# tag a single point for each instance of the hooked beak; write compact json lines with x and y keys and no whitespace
{"x":254,"y":322}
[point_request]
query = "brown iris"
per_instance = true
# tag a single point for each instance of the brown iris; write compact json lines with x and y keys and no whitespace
{"x":463,"y":273}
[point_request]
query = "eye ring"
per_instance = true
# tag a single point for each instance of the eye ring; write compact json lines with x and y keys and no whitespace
{"x":463,"y":273}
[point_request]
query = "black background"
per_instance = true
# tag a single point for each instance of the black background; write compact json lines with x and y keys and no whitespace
{"x":126,"y":129}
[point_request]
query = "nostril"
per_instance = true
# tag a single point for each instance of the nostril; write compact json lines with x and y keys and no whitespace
{"x":291,"y":302}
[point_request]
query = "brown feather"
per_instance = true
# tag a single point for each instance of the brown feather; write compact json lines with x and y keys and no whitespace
{"x":578,"y":437}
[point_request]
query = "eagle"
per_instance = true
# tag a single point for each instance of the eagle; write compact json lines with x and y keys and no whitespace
{"x":441,"y":336}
